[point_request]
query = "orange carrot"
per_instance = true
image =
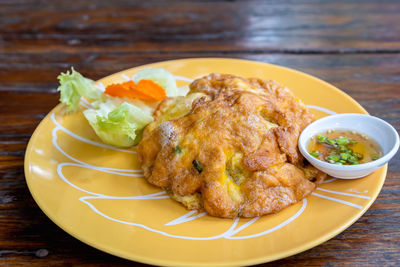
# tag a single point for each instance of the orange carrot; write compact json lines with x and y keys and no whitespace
{"x":151,"y":88}
{"x":145,"y":89}
{"x":127,"y":89}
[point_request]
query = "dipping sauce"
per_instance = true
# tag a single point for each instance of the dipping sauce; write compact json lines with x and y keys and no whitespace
{"x":344,"y":147}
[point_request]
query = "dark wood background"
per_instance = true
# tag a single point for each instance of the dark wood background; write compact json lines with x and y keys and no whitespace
{"x":353,"y":45}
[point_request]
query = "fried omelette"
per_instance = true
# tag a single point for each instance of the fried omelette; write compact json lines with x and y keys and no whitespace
{"x":230,"y":147}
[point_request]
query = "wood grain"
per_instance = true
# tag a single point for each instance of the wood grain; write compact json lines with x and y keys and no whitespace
{"x":353,"y":45}
{"x":227,"y":26}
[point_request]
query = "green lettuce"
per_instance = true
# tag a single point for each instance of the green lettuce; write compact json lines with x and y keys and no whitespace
{"x":120,"y":125}
{"x":73,"y":86}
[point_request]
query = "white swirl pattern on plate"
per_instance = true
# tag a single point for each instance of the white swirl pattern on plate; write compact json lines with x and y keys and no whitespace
{"x":189,"y":216}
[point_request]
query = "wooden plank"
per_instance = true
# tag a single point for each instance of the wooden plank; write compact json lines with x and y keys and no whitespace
{"x":228,"y":26}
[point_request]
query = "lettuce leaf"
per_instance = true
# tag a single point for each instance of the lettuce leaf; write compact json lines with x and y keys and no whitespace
{"x":72,"y":86}
{"x":161,"y":77}
{"x":120,"y":125}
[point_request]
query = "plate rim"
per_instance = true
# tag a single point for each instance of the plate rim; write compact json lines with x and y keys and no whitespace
{"x":254,"y":260}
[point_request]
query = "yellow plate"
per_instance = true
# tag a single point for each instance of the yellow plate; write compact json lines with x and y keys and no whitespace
{"x":97,"y":193}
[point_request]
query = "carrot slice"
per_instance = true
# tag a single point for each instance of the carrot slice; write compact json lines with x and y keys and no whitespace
{"x":145,"y":89}
{"x":120,"y":89}
{"x":151,"y":88}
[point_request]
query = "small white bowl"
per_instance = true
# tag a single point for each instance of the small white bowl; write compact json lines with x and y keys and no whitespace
{"x":379,"y":130}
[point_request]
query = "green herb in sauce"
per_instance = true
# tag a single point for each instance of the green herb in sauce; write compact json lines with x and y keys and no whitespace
{"x":343,"y":148}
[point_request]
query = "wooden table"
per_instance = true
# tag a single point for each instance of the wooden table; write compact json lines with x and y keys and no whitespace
{"x":355,"y":46}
